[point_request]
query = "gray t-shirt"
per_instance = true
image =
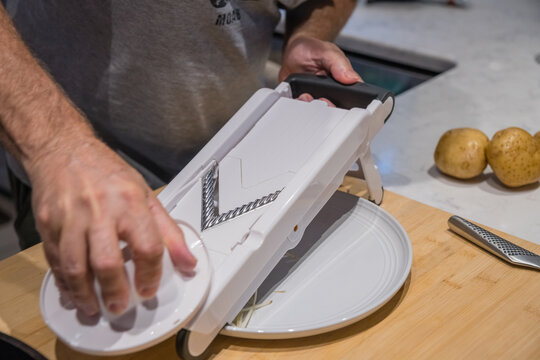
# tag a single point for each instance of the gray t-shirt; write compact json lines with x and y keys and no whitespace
{"x":157,"y":79}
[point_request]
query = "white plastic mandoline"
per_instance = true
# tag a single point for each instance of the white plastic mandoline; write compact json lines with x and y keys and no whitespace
{"x":250,"y":193}
{"x":254,"y":188}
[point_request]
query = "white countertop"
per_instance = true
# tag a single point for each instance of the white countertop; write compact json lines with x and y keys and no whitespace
{"x":494,"y":85}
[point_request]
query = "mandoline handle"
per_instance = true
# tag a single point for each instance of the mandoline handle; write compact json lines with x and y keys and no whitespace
{"x":343,"y":96}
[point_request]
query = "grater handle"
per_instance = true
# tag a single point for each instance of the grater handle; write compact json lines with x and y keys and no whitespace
{"x":495,"y":244}
{"x":345,"y":96}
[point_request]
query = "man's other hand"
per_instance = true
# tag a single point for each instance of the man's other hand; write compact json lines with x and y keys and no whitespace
{"x":85,"y":199}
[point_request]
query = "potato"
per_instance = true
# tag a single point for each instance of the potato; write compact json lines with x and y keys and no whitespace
{"x":514,"y":156}
{"x":461,"y":153}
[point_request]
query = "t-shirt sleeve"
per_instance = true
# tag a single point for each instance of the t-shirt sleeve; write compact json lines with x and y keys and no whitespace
{"x":291,"y":4}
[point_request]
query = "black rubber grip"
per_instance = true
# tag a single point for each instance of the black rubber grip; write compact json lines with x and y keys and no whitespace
{"x":343,"y":96}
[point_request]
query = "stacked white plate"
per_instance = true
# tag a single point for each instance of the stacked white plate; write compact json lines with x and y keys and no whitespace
{"x":352,"y":259}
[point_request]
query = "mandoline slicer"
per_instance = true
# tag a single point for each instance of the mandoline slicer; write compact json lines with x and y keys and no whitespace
{"x":253,"y":189}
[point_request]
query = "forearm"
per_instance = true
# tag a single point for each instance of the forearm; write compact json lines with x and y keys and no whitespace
{"x":321,"y":19}
{"x":36,"y":117}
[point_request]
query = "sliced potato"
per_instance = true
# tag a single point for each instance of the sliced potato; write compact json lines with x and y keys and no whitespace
{"x":461,"y":153}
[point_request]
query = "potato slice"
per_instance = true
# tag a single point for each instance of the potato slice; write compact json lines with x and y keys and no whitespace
{"x":514,"y":156}
{"x":461,"y":153}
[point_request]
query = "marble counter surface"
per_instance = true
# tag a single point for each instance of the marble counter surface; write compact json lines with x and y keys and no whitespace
{"x":494,"y":85}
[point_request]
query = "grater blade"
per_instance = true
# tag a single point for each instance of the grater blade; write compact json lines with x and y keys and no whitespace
{"x":210,"y":215}
{"x":503,"y":248}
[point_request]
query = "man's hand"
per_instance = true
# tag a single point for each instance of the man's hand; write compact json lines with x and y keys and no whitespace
{"x":310,"y":29}
{"x":86,"y":199}
{"x":305,"y":54}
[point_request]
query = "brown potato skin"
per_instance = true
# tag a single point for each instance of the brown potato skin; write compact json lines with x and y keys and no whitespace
{"x":461,"y":153}
{"x":514,"y":156}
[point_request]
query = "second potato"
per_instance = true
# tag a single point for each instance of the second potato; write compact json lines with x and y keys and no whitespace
{"x":461,"y":153}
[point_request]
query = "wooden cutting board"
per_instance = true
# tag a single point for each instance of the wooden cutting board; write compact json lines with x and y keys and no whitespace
{"x":459,"y":302}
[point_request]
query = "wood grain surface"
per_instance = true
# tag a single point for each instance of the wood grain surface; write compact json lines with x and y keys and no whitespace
{"x":459,"y":302}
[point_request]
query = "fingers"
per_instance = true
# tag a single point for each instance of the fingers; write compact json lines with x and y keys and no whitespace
{"x":108,"y":266}
{"x":307,"y":54}
{"x":173,"y":237}
{"x":74,"y":266}
{"x":50,"y":235}
{"x":338,"y":65}
{"x":305,"y":97}
{"x":52,"y":255}
{"x":139,"y":230}
{"x":308,"y":98}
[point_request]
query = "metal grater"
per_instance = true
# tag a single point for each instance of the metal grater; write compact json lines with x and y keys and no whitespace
{"x":210,"y":215}
{"x":493,"y":243}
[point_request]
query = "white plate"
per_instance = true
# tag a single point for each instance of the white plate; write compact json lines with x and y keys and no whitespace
{"x":352,"y":259}
{"x":145,"y":323}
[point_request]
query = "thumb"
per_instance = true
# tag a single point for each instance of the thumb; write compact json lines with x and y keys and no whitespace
{"x":339,"y":66}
